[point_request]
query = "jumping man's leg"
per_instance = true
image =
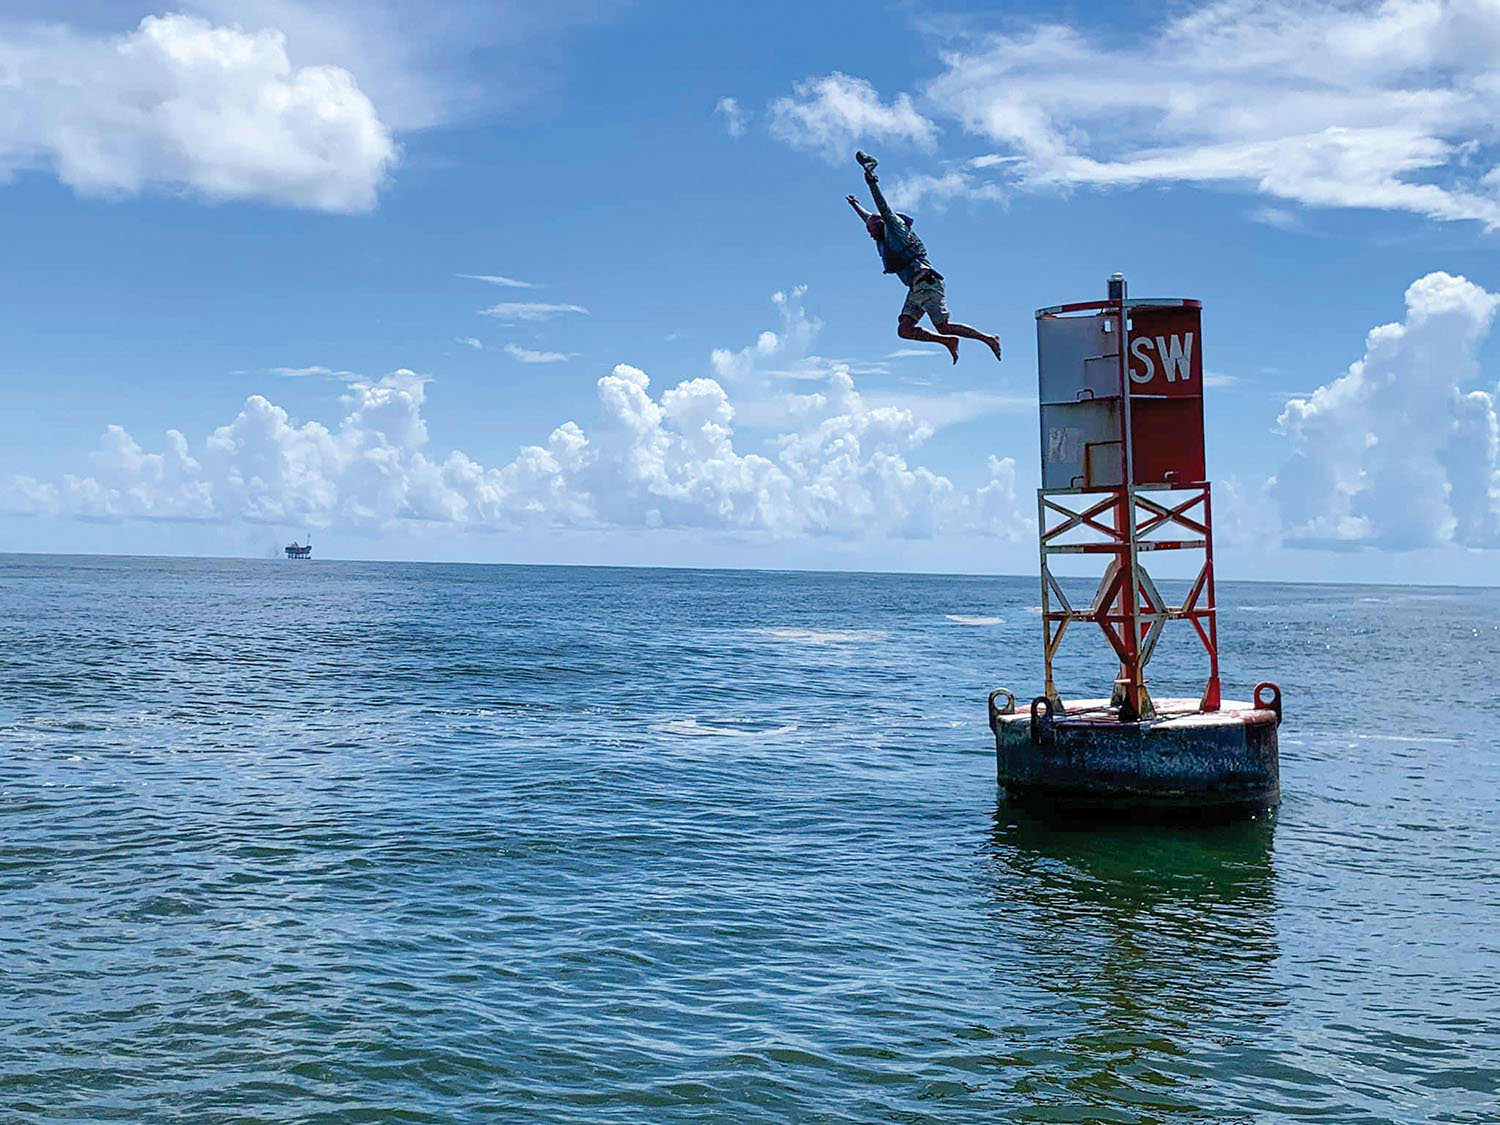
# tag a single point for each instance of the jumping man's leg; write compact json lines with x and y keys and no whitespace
{"x":908,"y":329}
{"x":953,"y":328}
{"x":912,"y":311}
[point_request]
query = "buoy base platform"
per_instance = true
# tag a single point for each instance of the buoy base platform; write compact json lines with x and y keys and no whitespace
{"x":1184,"y":763}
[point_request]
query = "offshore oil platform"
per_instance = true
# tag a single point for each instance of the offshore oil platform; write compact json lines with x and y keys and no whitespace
{"x":1123,"y":476}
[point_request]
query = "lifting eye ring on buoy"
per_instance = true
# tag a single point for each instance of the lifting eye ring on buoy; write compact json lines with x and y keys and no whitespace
{"x":996,"y":712}
{"x":1040,"y":722}
{"x":1273,"y":703}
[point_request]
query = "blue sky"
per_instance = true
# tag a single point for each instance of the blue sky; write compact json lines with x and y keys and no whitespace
{"x":576,"y":282}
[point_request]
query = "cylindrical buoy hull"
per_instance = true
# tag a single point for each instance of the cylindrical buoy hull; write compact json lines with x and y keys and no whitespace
{"x":1184,"y":763}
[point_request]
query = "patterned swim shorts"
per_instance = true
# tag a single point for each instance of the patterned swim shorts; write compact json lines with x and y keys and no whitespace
{"x":926,"y":295}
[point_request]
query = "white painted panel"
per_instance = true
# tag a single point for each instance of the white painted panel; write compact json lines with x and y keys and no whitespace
{"x":1081,"y":443}
{"x":1077,"y":357}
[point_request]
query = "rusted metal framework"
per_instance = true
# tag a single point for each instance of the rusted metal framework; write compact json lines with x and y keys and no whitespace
{"x":1122,"y":475}
{"x":1127,"y":606}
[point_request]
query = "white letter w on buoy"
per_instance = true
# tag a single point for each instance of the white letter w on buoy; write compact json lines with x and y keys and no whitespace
{"x":1176,"y":359}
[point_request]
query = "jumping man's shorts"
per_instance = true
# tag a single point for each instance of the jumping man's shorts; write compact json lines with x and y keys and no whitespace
{"x":926,"y":295}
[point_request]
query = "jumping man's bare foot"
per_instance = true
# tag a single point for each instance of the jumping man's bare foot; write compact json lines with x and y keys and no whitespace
{"x":954,"y":328}
{"x":951,"y":343}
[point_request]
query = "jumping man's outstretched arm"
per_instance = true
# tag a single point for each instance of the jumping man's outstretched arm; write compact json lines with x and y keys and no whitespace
{"x":864,"y":216}
{"x":880,"y":204}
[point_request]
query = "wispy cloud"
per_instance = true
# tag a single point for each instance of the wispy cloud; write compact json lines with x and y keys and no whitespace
{"x":527,"y":355}
{"x":497,"y":279}
{"x":859,"y":366}
{"x":1386,"y":105}
{"x":949,"y":409}
{"x":471,"y":341}
{"x":512,"y":311}
{"x":297,"y":372}
{"x":1382,"y":104}
{"x":728,"y":110}
{"x":1278,"y":217}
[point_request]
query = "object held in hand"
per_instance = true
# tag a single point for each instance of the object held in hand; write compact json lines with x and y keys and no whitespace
{"x":867,"y":162}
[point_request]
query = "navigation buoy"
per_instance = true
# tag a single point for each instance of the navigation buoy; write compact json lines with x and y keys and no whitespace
{"x":1123,"y":475}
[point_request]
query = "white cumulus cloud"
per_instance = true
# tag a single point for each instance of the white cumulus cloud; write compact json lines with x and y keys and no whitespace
{"x":181,"y":102}
{"x":783,"y":353}
{"x":1396,"y":452}
{"x":837,"y":464}
{"x":833,"y":113}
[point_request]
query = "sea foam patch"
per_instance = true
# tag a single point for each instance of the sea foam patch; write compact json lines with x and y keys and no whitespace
{"x":973,"y":619}
{"x":826,"y":636}
{"x":721,"y":728}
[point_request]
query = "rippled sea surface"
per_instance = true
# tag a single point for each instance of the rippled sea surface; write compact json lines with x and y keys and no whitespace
{"x":338,"y":842}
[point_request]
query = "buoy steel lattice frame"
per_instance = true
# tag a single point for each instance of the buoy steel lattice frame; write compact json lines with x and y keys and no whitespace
{"x":1131,"y":624}
{"x":1123,"y":520}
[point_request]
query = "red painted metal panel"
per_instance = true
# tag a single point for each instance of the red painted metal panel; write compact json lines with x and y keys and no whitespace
{"x":1168,"y":440}
{"x":1166,"y":352}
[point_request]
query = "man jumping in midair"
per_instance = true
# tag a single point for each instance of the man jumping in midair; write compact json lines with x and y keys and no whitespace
{"x":906,"y":257}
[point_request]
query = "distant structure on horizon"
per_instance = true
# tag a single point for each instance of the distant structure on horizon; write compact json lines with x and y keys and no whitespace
{"x":295,"y":550}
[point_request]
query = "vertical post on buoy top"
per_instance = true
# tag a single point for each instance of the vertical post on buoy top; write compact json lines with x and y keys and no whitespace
{"x":1129,"y":694}
{"x":1121,"y":393}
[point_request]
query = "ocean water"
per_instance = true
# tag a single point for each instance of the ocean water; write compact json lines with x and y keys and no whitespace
{"x":338,"y":842}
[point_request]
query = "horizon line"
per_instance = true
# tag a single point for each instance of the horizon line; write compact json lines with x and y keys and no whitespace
{"x":735,"y":569}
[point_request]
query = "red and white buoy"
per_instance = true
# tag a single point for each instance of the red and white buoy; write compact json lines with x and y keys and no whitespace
{"x":1123,"y":476}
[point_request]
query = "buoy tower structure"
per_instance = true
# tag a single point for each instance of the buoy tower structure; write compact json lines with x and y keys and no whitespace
{"x":1123,"y":477}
